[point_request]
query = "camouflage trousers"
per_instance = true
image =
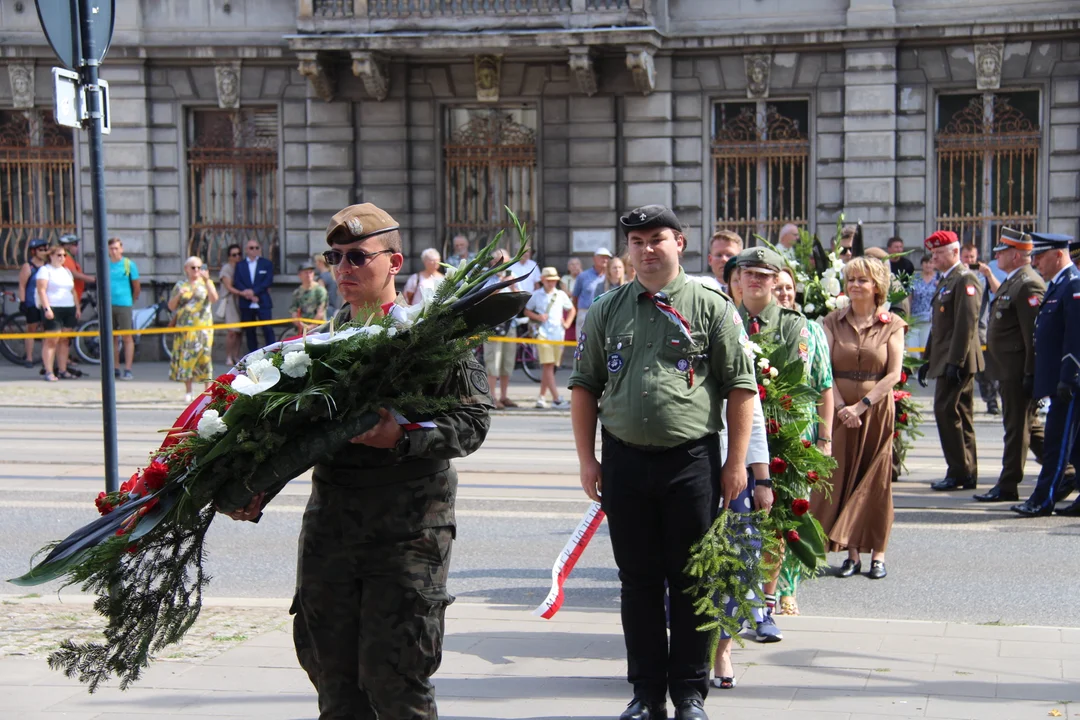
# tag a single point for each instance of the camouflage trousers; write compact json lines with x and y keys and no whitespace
{"x":368,"y":624}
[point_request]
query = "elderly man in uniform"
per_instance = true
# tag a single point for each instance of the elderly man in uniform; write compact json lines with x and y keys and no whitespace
{"x":377,"y":532}
{"x":1057,"y":372}
{"x":953,"y":357}
{"x":1010,"y":345}
{"x":662,"y":353}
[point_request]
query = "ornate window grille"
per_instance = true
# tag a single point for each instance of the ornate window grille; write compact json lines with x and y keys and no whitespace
{"x":37,"y":182}
{"x":490,"y":162}
{"x":232,"y":168}
{"x":428,"y":8}
{"x":987,"y":149}
{"x":760,"y":156}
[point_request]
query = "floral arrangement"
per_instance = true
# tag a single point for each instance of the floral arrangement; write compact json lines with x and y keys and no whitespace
{"x":908,"y":417}
{"x":739,"y":552}
{"x":253,"y":430}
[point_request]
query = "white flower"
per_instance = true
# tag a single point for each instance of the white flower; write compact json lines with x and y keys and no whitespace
{"x":211,"y":425}
{"x":259,"y":376}
{"x":766,"y":382}
{"x":831,"y":286}
{"x":391,"y":331}
{"x":842,"y":302}
{"x":296,"y":364}
{"x":829,"y":274}
{"x":372,"y":330}
{"x":830,"y":303}
{"x":809,"y":307}
{"x":763,"y":363}
{"x":752,"y":349}
{"x":773,"y":372}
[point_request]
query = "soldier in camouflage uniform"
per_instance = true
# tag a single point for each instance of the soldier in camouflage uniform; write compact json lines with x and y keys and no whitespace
{"x":378,"y":529}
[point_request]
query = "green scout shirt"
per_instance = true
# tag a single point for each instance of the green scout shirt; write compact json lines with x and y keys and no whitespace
{"x":783,"y":327}
{"x":638,"y":363}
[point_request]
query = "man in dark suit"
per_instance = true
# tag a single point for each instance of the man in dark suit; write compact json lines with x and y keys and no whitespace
{"x":1010,"y":346}
{"x":1057,"y":372}
{"x":954,"y":355}
{"x":253,"y":278}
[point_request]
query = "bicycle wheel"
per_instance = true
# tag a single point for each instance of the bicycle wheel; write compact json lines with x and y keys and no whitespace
{"x":166,"y":345}
{"x":530,"y":361}
{"x":89,"y":348}
{"x":163,"y":318}
{"x":15,"y":350}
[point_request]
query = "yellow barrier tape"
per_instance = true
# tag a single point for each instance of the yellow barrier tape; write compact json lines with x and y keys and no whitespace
{"x":155,"y":330}
{"x":532,"y":341}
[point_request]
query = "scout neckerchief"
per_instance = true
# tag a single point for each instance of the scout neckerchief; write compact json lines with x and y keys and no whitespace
{"x":660,"y":300}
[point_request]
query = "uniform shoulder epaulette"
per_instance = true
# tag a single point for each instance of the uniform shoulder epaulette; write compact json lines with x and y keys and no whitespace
{"x":712,"y":288}
{"x":789,"y":311}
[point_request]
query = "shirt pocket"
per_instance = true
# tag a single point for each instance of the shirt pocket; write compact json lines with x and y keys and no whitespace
{"x":681,"y":354}
{"x":617,"y":354}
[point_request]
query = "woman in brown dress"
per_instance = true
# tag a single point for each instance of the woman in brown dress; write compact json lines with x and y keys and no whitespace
{"x":867,"y":348}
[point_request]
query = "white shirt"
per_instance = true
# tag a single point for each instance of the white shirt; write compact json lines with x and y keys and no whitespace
{"x":61,"y":288}
{"x":946,"y":273}
{"x":1052,"y":281}
{"x":554,"y":305}
{"x":531,"y":270}
{"x":758,"y":449}
{"x":252,"y":264}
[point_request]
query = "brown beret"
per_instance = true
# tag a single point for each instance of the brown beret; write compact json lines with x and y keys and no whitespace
{"x":358,"y":222}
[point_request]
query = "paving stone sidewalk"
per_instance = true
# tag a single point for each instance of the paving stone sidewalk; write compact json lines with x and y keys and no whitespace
{"x":501,"y":662}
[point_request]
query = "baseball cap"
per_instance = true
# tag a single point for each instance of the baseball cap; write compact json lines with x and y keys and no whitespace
{"x":36,"y":243}
{"x":603,"y":252}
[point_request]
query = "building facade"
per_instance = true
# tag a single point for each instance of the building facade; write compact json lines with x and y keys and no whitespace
{"x":236,"y":118}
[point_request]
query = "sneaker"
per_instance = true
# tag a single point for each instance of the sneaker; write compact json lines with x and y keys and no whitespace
{"x":187,"y":398}
{"x":540,"y":403}
{"x":116,"y":373}
{"x":127,"y":375}
{"x":767,"y":632}
{"x":561,"y":404}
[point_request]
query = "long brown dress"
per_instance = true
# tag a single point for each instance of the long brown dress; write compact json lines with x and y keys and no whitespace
{"x":859,"y":513}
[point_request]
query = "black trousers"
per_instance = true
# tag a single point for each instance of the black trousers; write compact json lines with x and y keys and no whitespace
{"x":251,"y":315}
{"x":954,"y":410}
{"x":658,"y":504}
{"x":1059,"y":449}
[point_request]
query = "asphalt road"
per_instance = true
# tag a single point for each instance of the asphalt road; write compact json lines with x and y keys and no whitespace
{"x":949,"y":558}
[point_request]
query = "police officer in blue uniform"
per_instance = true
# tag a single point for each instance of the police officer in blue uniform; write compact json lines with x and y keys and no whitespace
{"x":1057,"y":371}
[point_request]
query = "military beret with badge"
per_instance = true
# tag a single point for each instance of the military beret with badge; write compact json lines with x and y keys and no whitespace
{"x":649,"y":217}
{"x":359,"y":222}
{"x":941,"y":239}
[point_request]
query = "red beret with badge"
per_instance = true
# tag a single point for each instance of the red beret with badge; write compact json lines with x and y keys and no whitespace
{"x":940,"y":239}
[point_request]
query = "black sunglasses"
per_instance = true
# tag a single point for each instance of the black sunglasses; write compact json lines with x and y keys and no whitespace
{"x":234,"y":253}
{"x":845,"y":250}
{"x":358,"y":258}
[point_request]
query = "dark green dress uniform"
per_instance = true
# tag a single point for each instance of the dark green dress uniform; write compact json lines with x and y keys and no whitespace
{"x":375,"y":546}
{"x":786,"y":328}
{"x":954,"y":356}
{"x":660,"y":398}
{"x":1010,"y":345}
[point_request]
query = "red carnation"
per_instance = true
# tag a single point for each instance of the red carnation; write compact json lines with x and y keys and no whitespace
{"x":761,"y":392}
{"x":903,"y":418}
{"x":785,"y":401}
{"x":129,"y":484}
{"x":800,"y":506}
{"x":231,"y":398}
{"x":792,"y":536}
{"x":806,"y":443}
{"x":155,"y":475}
{"x":772,"y":426}
{"x":899,"y":395}
{"x":896,"y":435}
{"x":221,"y":386}
{"x":812,"y":476}
{"x":903,"y":377}
{"x":777,"y":466}
{"x":103,"y":505}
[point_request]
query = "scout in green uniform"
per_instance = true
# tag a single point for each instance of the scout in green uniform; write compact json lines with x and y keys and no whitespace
{"x":1010,"y":346}
{"x":953,"y":357}
{"x":759,"y":309}
{"x":377,"y":532}
{"x":655,"y":360}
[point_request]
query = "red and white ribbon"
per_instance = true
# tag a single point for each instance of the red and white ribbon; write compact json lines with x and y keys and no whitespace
{"x":564,"y":564}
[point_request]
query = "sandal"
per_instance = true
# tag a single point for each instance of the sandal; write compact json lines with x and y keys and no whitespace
{"x":507,"y":402}
{"x":49,"y":377}
{"x":723,"y":683}
{"x":65,"y":375}
{"x":788,"y":606}
{"x":499,"y":405}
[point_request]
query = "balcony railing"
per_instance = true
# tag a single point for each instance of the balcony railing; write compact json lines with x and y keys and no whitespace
{"x":380,"y":16}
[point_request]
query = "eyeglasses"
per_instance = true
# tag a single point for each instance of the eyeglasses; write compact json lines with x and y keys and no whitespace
{"x":357,"y":258}
{"x":235,"y":253}
{"x":253,"y":247}
{"x":41,"y":249}
{"x":844,"y":250}
{"x":195,"y":267}
{"x":59,"y":255}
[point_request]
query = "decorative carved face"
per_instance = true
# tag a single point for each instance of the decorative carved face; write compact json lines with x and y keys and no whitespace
{"x":228,"y":83}
{"x":20,"y":80}
{"x":988,"y":64}
{"x":487,"y":77}
{"x":757,"y":73}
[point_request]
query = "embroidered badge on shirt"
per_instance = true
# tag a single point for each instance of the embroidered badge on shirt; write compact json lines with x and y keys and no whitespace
{"x":683,"y":365}
{"x":614,"y":362}
{"x":805,"y":332}
{"x":970,"y":290}
{"x":1033,"y":301}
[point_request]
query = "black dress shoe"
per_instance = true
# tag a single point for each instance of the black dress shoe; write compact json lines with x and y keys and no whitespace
{"x":951,"y":483}
{"x":849,"y":568}
{"x":1065,"y":487}
{"x":877,"y":570}
{"x":1028,"y":509}
{"x":1070,"y":510}
{"x":639,"y":709}
{"x":692,"y":709}
{"x":996,"y":494}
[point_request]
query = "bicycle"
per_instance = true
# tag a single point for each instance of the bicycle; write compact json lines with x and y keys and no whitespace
{"x":528,"y":355}
{"x":157,"y":315}
{"x":14,"y":350}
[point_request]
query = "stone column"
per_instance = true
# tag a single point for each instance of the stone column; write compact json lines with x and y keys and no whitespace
{"x":1064,"y":129}
{"x":914,"y":151}
{"x":870,"y":141}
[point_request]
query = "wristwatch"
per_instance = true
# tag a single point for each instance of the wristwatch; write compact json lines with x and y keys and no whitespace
{"x":866,"y":402}
{"x":402,"y":447}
